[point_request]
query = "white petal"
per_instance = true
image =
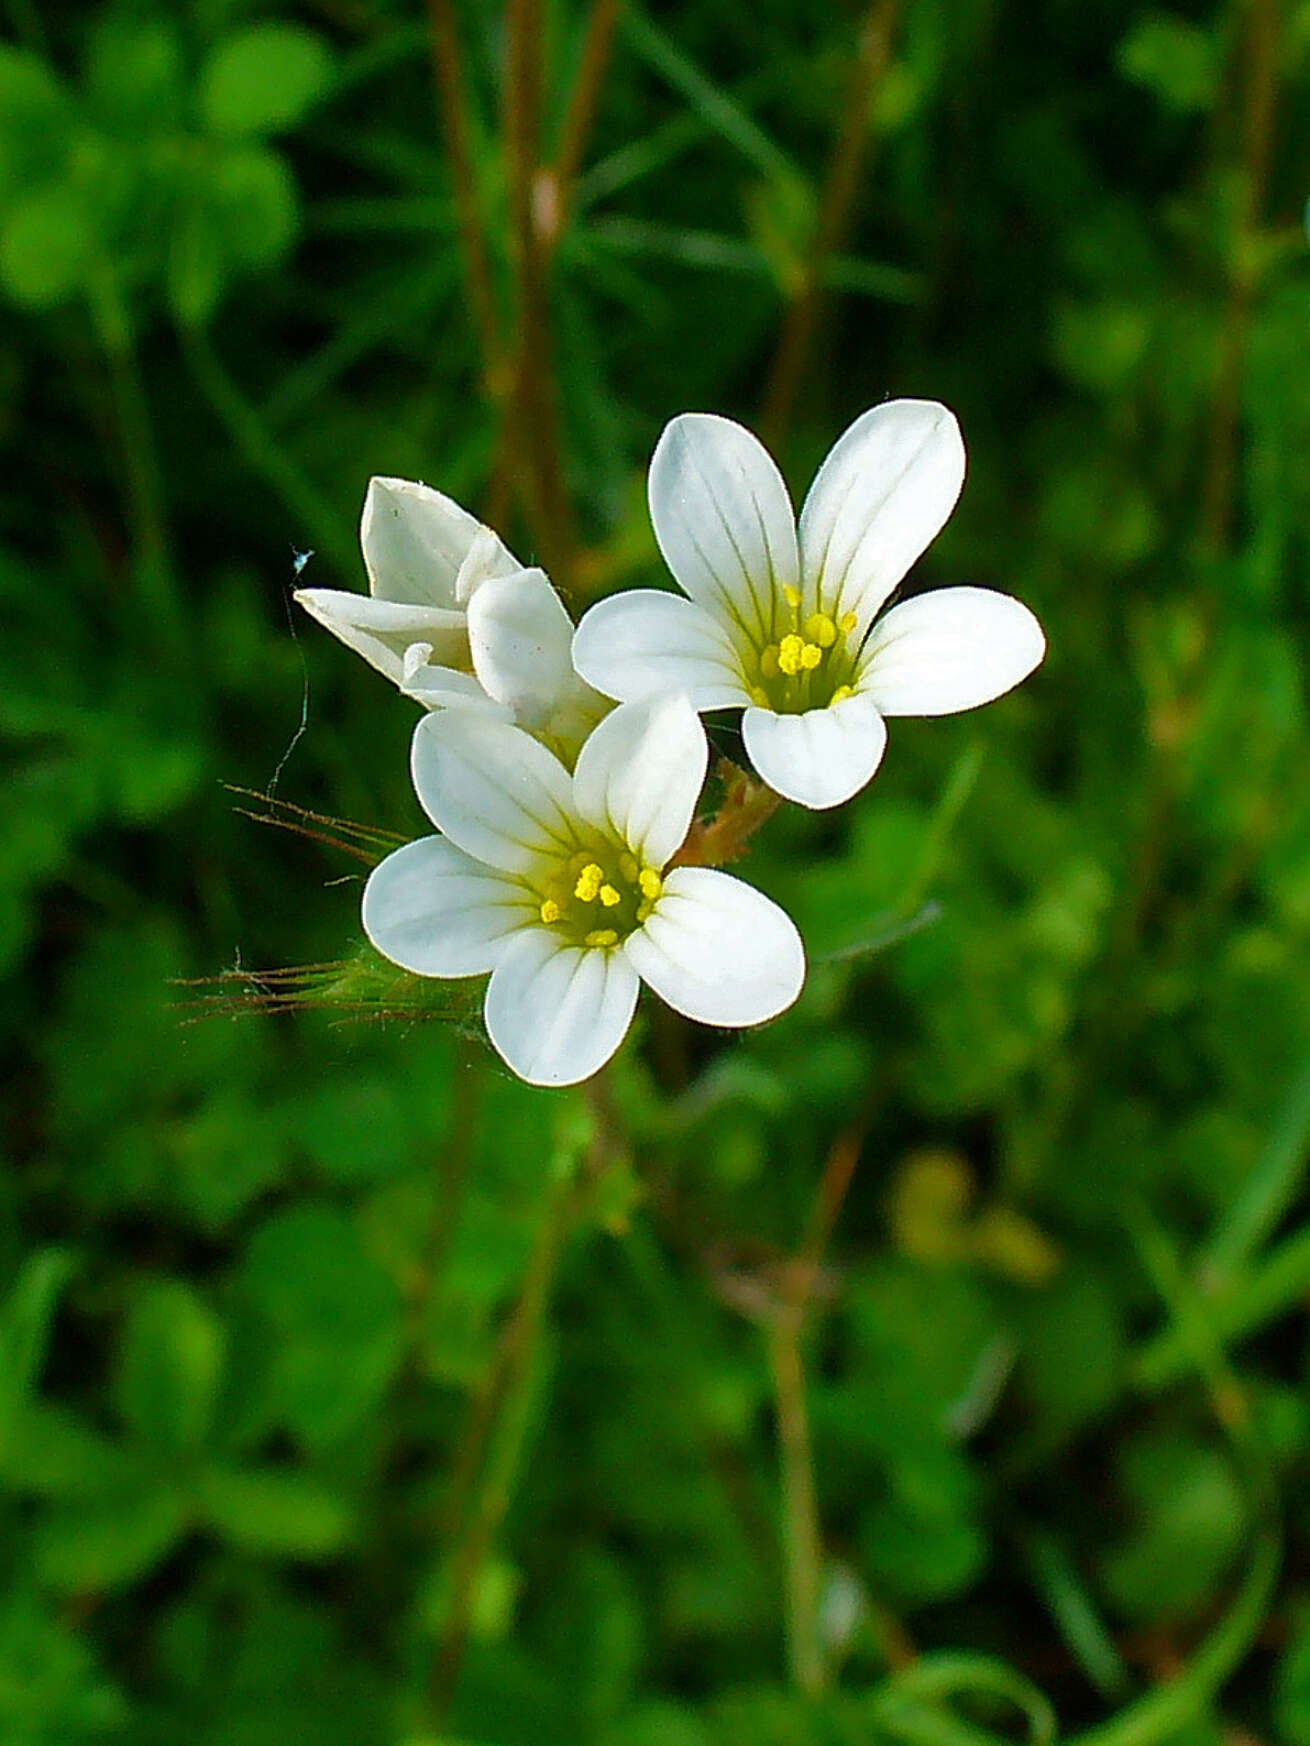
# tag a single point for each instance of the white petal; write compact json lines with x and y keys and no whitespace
{"x":718,"y":951}
{"x":485,"y":559}
{"x":820,"y":758}
{"x":880,"y":498}
{"x":646,"y":644}
{"x":492,"y":789}
{"x":723,"y":520}
{"x":415,"y":540}
{"x":432,"y":909}
{"x":557,"y":1013}
{"x":521,"y":637}
{"x":444,"y":688}
{"x":951,"y":649}
{"x":640,"y":775}
{"x":382,"y":630}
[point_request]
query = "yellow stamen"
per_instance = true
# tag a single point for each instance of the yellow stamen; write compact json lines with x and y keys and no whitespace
{"x":650,"y":882}
{"x":789,"y":655}
{"x":602,"y":937}
{"x":846,"y":623}
{"x":811,"y":655}
{"x":769,"y":662}
{"x":760,"y":695}
{"x":628,"y":866}
{"x":608,"y":896}
{"x":792,"y":596}
{"x":840,"y":692}
{"x":550,"y":911}
{"x":644,"y":911}
{"x":589,"y":882}
{"x":821,"y":630}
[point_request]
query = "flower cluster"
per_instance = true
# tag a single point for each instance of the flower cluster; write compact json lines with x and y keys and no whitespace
{"x":562,"y":769}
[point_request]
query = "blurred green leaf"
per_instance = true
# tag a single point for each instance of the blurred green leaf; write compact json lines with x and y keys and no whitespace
{"x":25,"y":1319}
{"x":333,"y":1315}
{"x":255,"y":205}
{"x":112,"y":1540}
{"x":1192,"y":1518}
{"x":263,"y":79}
{"x":37,"y":118}
{"x":1174,"y":59}
{"x":273,"y":1512}
{"x":1292,"y":1685}
{"x":134,"y":77}
{"x":48,"y":243}
{"x":169,"y":1364}
{"x":51,"y":1691}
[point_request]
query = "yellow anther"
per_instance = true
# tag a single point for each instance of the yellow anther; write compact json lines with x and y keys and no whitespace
{"x":601,"y":937}
{"x":628,"y":866}
{"x":644,"y":911}
{"x":589,"y":882}
{"x":841,"y":692}
{"x":789,"y":655}
{"x":650,"y":882}
{"x":769,"y":662}
{"x":550,"y":911}
{"x":846,"y":623}
{"x":760,"y":695}
{"x":820,"y":629}
{"x":608,"y":896}
{"x":811,"y":655}
{"x":792,"y":596}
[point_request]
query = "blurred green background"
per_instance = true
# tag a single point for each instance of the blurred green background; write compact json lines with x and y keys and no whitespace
{"x":351,"y":1391}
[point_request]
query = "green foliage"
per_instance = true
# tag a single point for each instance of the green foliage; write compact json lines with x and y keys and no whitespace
{"x":351,"y":1391}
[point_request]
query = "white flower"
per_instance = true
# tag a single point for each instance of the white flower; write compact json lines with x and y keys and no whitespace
{"x":557,"y":885}
{"x":454,"y":620}
{"x":781,"y":620}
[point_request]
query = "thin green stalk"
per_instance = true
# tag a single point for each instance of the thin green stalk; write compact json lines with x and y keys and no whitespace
{"x":951,"y":803}
{"x":802,"y":1554}
{"x":1076,"y":1615}
{"x":1268,"y":1191}
{"x":1264,"y":60}
{"x":316,"y":519}
{"x":1191,"y":1318}
{"x":145,"y":491}
{"x":452,"y":104}
{"x":836,"y":208}
{"x":1162,"y":1714}
{"x":801,"y":1534}
{"x":533,"y":430}
{"x":1268,"y":1291}
{"x":581,"y":111}
{"x":476,"y":1534}
{"x":721,"y":113}
{"x":466,"y":1093}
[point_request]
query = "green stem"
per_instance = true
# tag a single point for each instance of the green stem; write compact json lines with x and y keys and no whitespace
{"x":500,"y":1422}
{"x":144,"y":484}
{"x":452,"y":102}
{"x":1163,"y":1713}
{"x":802,"y":1546}
{"x":316,"y":518}
{"x":533,"y":431}
{"x":836,"y":205}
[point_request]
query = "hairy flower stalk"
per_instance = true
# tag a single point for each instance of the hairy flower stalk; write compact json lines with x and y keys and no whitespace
{"x":455,"y":621}
{"x":561,"y":886}
{"x":782,"y":621}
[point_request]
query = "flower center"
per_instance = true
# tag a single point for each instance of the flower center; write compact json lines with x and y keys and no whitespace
{"x":599,"y":896}
{"x":809,"y":666}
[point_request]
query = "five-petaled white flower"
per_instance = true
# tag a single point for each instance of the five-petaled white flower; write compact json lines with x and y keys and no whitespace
{"x":557,"y":885}
{"x":784,"y":625}
{"x":454,"y":620}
